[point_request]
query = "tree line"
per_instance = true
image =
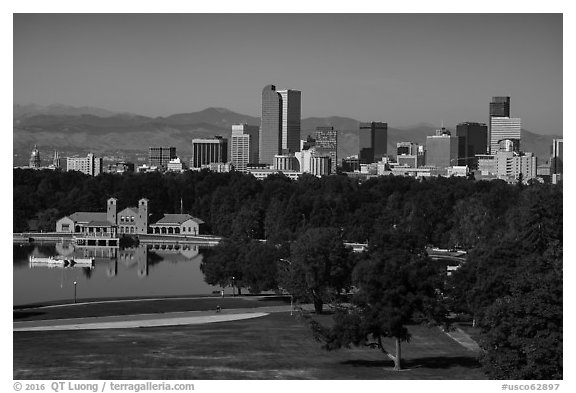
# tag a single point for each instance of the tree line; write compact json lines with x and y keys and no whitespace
{"x":289,"y":236}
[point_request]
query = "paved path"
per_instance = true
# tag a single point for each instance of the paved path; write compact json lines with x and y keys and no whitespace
{"x":462,"y":338}
{"x":147,"y":320}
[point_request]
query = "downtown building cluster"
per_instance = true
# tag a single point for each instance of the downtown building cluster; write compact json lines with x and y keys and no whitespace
{"x":490,"y":151}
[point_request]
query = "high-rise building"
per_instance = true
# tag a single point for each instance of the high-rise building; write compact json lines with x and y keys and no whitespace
{"x":327,"y":144}
{"x":160,"y":156}
{"x":509,"y":165}
{"x":291,"y":116}
{"x":500,"y":107}
{"x":441,"y":149}
{"x":472,"y":140}
{"x":503,"y":128}
{"x":244,"y":146}
{"x":373,"y":141}
{"x":270,"y":141}
{"x":34,"y":158}
{"x":209,"y":150}
{"x":280,"y":123}
{"x":89,"y":165}
{"x":409,"y":154}
{"x":557,"y":159}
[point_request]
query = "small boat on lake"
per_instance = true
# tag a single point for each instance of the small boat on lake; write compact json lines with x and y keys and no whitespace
{"x":61,"y":261}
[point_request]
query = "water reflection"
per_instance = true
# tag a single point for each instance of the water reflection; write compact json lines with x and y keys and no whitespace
{"x":145,"y":270}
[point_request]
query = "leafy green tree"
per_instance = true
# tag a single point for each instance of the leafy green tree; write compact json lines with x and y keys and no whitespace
{"x":319,"y":267}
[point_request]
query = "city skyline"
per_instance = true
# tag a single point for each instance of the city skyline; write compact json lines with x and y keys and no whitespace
{"x":403,"y":69}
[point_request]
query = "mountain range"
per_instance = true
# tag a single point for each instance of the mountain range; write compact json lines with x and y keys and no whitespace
{"x":81,"y":129}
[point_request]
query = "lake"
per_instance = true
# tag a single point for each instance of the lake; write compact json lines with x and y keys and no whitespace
{"x":129,"y":272}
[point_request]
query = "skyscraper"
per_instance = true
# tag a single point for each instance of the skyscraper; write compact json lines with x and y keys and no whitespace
{"x":161,"y":156}
{"x":499,"y":107}
{"x":502,"y":128}
{"x":291,"y":103}
{"x":244,"y":146}
{"x":280,"y":123}
{"x":327,"y":144}
{"x":472,"y":140}
{"x":373,"y":141}
{"x":209,"y":150}
{"x":34,"y":158}
{"x":441,"y":149}
{"x":557,"y":156}
{"x":270,"y":141}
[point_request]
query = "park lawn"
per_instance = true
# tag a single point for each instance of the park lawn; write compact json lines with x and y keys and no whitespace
{"x":277,"y":346}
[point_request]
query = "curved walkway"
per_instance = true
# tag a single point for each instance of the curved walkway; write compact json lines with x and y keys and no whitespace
{"x":146,"y":320}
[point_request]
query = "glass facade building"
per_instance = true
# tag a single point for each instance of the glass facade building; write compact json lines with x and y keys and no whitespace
{"x":373,"y":142}
{"x":472,"y":140}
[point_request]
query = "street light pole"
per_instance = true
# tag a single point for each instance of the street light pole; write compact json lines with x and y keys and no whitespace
{"x":233,"y":289}
{"x":75,"y":291}
{"x":291,"y":295}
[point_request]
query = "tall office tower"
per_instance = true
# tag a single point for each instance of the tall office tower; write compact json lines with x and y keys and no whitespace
{"x":499,"y":107}
{"x":557,"y":159}
{"x":244,"y":146}
{"x":441,"y":149}
{"x":291,"y":104}
{"x":89,"y":165}
{"x":327,"y":144}
{"x":472,"y":140}
{"x":34,"y":158}
{"x":161,"y":156}
{"x":373,"y":141}
{"x":504,"y":128}
{"x":209,"y":150}
{"x":270,"y":141}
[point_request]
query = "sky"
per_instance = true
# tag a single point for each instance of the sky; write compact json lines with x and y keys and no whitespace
{"x":402,"y":69}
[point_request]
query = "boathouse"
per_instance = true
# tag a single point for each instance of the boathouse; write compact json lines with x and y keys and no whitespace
{"x":177,"y":224}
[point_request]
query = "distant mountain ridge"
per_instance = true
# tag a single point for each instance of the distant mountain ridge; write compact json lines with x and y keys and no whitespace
{"x":60,"y":127}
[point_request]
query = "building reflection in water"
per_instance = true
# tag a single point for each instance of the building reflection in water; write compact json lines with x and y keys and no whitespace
{"x":140,"y":257}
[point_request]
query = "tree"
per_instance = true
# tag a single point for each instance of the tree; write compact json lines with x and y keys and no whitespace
{"x":395,"y":287}
{"x":319,"y":267}
{"x":259,"y":269}
{"x":222,"y":265}
{"x":242,"y":263}
{"x":522,"y":332}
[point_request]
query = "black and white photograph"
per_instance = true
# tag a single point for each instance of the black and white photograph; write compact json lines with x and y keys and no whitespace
{"x":250,"y":196}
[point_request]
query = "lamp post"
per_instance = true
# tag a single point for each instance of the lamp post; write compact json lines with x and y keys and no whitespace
{"x":233,"y":290}
{"x":291,"y":296}
{"x":75,"y":291}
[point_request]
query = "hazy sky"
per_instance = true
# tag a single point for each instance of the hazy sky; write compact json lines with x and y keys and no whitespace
{"x":398,"y":68}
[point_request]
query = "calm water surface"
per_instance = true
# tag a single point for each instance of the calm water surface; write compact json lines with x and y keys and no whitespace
{"x":131,"y":272}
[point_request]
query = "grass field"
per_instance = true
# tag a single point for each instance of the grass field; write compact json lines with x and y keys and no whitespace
{"x":277,"y":346}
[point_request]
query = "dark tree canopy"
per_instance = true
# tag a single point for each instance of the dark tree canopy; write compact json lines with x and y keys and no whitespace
{"x":319,"y":267}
